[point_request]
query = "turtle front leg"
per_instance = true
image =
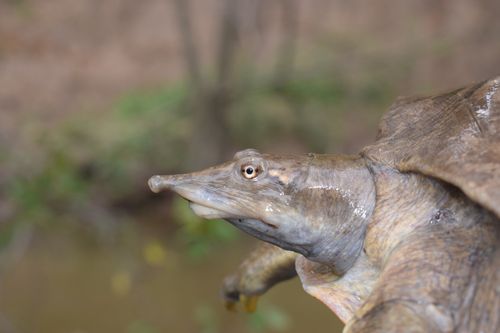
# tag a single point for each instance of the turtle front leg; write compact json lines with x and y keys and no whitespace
{"x":266,"y":266}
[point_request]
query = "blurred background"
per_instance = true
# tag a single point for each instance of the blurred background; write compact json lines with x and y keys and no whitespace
{"x":98,"y":95}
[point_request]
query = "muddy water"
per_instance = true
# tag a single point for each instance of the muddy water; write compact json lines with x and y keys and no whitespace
{"x":140,"y":285}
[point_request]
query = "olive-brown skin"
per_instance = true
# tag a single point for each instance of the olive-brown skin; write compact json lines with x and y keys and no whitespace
{"x":401,"y":238}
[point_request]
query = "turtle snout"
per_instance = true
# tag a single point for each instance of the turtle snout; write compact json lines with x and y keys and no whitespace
{"x":155,"y":183}
{"x":159,"y":183}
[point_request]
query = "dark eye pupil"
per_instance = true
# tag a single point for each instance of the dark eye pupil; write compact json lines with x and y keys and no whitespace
{"x":249,"y":170}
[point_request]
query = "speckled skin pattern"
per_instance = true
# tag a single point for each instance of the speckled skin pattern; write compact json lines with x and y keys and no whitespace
{"x":403,"y":237}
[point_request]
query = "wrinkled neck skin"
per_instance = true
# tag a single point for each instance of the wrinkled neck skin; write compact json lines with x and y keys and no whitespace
{"x":336,"y":201}
{"x":403,"y":202}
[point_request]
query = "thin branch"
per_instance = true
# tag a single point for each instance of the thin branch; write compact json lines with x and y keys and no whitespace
{"x":227,"y":41}
{"x":188,"y":44}
{"x":287,"y":49}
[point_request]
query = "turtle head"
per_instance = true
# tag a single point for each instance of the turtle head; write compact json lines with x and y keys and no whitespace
{"x":253,"y":191}
{"x":294,"y":202}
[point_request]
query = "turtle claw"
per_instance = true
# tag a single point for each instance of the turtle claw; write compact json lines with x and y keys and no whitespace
{"x":249,"y":303}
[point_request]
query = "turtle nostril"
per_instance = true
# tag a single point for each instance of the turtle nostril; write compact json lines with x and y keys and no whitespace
{"x":155,"y":183}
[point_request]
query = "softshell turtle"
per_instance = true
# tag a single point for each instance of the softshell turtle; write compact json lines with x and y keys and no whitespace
{"x":403,"y":237}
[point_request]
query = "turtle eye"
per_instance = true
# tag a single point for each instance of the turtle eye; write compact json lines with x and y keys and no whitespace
{"x":250,"y":171}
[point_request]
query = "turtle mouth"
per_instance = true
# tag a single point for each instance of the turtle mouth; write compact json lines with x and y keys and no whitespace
{"x":211,"y":213}
{"x":207,"y":212}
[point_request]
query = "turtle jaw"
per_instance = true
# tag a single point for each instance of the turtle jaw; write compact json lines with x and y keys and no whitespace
{"x":207,"y":212}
